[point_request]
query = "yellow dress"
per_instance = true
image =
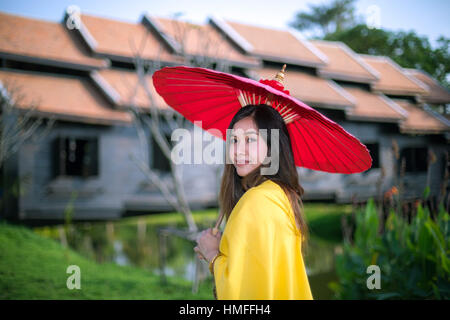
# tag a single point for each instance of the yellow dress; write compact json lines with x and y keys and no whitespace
{"x":261,"y":249}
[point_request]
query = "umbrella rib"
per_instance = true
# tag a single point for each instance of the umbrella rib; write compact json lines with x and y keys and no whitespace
{"x":192,"y":73}
{"x":333,"y":151}
{"x":348,"y":151}
{"x":311,"y":127}
{"x":349,"y":137}
{"x":208,"y":77}
{"x":227,"y":114}
{"x":298,"y":152}
{"x":199,"y":91}
{"x":187,"y":79}
{"x":196,"y":72}
{"x":318,"y":146}
{"x":195,"y":85}
{"x":331,"y":134}
{"x":308,"y":147}
{"x":205,"y":99}
{"x":210,"y":108}
{"x":171,"y":79}
{"x":213,"y":81}
{"x":191,"y":81}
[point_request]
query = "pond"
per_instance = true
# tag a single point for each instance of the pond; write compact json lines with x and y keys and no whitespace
{"x":135,"y":242}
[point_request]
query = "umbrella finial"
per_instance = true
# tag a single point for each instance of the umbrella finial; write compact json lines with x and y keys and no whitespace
{"x":280,"y":75}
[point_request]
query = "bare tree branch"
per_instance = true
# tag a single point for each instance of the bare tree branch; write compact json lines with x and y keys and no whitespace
{"x":155,"y":118}
{"x":19,"y":121}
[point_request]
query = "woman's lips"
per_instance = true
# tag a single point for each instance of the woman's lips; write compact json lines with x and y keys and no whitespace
{"x":241,"y":163}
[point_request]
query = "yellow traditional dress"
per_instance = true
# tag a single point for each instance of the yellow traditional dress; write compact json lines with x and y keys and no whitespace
{"x":261,"y":249}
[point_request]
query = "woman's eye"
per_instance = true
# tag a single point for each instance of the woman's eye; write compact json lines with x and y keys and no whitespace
{"x":234,"y":140}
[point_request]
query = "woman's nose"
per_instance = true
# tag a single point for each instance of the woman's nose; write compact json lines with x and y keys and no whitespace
{"x":241,"y":148}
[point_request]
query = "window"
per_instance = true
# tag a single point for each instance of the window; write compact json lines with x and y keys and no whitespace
{"x":75,"y":156}
{"x":374,"y":153}
{"x":416,"y":159}
{"x":159,"y":161}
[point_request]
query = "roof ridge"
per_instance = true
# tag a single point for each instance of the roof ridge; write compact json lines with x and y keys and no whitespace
{"x":29,"y":18}
{"x":120,"y":20}
{"x":410,"y":70}
{"x":256,"y":26}
{"x":355,"y":56}
{"x":399,"y":68}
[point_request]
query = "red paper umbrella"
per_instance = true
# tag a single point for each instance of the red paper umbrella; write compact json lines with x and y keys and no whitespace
{"x":214,"y":97}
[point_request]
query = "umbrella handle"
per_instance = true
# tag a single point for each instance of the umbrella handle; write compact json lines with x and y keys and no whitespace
{"x":215,"y":230}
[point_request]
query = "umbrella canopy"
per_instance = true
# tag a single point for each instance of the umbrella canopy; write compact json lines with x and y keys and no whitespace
{"x":214,"y":97}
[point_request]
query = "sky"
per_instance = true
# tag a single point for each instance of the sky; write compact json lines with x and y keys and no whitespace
{"x":427,"y":18}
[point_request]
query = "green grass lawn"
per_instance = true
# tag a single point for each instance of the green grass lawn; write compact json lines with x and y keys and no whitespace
{"x":34,"y":267}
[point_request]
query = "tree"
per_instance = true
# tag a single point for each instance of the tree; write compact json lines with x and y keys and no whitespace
{"x":406,"y":48}
{"x":328,"y":18}
{"x":206,"y":57}
{"x":337,"y":22}
{"x":207,"y":54}
{"x":19,"y":123}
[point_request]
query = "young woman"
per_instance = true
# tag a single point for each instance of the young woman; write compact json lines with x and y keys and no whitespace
{"x":259,"y":255}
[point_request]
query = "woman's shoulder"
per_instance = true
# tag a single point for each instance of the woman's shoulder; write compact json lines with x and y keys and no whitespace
{"x":266,"y":202}
{"x":268,"y":188}
{"x":267,"y":194}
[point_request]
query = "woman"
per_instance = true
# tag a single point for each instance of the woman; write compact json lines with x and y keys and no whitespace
{"x":259,"y":255}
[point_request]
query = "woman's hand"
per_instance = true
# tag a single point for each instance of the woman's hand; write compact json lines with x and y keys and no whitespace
{"x":207,"y":244}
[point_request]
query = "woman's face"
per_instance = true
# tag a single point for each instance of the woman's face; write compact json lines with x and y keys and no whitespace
{"x":247,"y":149}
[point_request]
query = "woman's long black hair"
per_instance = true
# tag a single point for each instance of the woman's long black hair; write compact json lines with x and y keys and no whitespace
{"x":233,"y":186}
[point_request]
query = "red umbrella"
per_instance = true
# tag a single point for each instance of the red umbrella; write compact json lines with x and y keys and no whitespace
{"x":214,"y":97}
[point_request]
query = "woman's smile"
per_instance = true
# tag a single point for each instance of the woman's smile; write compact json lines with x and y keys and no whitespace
{"x":242,"y":162}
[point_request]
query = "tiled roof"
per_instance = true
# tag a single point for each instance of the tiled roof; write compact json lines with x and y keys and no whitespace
{"x":314,"y":91}
{"x":45,"y":41}
{"x":78,"y":99}
{"x":437,"y":93}
{"x":68,"y":98}
{"x":125,"y":39}
{"x":277,"y":45}
{"x":420,"y":121}
{"x":393,"y":80}
{"x":371,"y":106}
{"x":202,"y":40}
{"x":126,"y":85}
{"x":343,"y":63}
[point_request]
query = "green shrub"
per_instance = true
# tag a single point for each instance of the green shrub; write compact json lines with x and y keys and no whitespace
{"x":413,"y":257}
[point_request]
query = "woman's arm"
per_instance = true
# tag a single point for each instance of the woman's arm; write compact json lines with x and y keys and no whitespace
{"x":246,"y":267}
